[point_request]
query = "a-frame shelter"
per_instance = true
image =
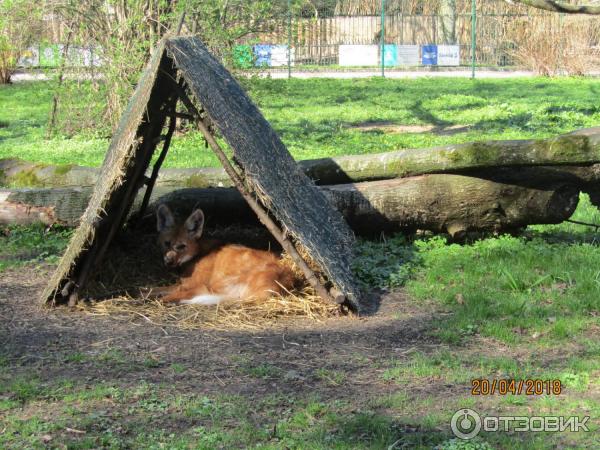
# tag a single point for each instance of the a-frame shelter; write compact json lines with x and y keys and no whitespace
{"x":182,"y":71}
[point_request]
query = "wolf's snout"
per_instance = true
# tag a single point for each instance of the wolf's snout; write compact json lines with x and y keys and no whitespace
{"x":170,"y":258}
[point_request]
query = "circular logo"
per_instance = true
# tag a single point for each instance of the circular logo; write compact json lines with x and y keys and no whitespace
{"x":465,"y":424}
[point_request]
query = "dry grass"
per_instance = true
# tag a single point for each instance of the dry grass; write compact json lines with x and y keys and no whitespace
{"x":129,"y":268}
{"x":563,"y":46}
{"x":245,"y":315}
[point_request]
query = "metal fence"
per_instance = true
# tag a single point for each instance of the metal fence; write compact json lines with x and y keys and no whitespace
{"x":406,"y":35}
{"x":396,"y":35}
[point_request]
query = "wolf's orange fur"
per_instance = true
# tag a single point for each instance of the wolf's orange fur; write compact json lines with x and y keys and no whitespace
{"x":213,"y":272}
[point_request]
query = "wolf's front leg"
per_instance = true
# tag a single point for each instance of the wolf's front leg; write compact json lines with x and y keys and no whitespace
{"x":158,"y":292}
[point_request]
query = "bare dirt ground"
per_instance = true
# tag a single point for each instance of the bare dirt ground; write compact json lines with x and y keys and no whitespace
{"x":38,"y":339}
{"x":390,"y":127}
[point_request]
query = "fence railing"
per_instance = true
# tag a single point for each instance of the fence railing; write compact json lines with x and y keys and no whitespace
{"x":478,"y":33}
{"x":490,"y":34}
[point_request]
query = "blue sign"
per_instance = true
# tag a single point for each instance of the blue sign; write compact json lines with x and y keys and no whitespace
{"x":429,"y":55}
{"x":390,"y":55}
{"x":262,"y":55}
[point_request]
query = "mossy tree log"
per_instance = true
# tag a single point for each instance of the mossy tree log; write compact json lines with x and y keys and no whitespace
{"x":581,"y":147}
{"x":442,"y":203}
{"x":454,"y":204}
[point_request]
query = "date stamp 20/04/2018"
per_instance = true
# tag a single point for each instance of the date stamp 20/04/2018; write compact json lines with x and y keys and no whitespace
{"x":527,"y":386}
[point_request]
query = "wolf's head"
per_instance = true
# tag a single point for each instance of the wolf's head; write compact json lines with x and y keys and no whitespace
{"x":179,"y":242}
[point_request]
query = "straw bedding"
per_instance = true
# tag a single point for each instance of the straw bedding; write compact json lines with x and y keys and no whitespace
{"x":134,"y":266}
{"x":246,"y":315}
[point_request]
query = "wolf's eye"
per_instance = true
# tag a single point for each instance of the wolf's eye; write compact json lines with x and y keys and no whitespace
{"x":167,"y":244}
{"x":180,"y":247}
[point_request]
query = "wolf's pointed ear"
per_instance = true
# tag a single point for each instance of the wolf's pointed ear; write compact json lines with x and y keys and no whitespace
{"x":164,"y":218}
{"x":195,"y":223}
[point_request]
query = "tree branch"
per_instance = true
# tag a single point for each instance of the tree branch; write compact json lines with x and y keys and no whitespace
{"x":561,"y":7}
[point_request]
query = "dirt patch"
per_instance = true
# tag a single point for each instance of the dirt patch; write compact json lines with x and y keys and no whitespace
{"x":392,"y":127}
{"x":40,"y":340}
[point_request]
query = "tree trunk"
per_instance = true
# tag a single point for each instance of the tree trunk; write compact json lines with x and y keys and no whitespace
{"x":441,"y":203}
{"x":450,"y":203}
{"x":448,"y":19}
{"x":581,"y":148}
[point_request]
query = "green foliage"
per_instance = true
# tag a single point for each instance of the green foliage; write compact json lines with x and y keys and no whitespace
{"x":386,"y":264}
{"x":22,"y":389}
{"x":20,"y":22}
{"x":263,"y":370}
{"x":333,"y":377}
{"x":31,"y":244}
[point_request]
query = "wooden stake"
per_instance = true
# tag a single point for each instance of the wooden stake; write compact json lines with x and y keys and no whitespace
{"x":155,"y":169}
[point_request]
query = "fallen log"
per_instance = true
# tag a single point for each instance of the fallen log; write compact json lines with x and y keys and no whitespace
{"x":580,"y":148}
{"x":442,"y":203}
{"x":63,"y":206}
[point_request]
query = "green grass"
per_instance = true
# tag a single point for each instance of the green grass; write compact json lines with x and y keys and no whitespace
{"x":543,"y":286}
{"x":141,"y":414}
{"x":31,"y":244}
{"x":148,"y":415}
{"x":315,"y":118}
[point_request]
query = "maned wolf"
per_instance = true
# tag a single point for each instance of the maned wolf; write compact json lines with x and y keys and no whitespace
{"x":212,"y":272}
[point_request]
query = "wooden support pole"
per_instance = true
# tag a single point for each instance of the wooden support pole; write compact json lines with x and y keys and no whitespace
{"x":152,"y":180}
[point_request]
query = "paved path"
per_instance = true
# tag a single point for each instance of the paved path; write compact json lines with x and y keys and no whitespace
{"x":400,"y":74}
{"x":278,"y":74}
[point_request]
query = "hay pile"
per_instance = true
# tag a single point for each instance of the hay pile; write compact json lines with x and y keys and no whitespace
{"x":141,"y":265}
{"x":246,"y":315}
{"x":134,"y":264}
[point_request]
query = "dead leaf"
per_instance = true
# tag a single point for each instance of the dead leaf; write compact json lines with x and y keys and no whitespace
{"x":459,"y":299}
{"x":560,"y":287}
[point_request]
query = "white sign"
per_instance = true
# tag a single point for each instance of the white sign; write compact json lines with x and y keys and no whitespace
{"x":448,"y":55}
{"x":279,"y":56}
{"x":408,"y":55}
{"x":359,"y":55}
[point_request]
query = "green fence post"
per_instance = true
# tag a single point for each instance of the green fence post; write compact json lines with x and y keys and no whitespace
{"x":473,"y":36}
{"x":561,"y":53}
{"x":382,"y":38}
{"x":289,"y":49}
